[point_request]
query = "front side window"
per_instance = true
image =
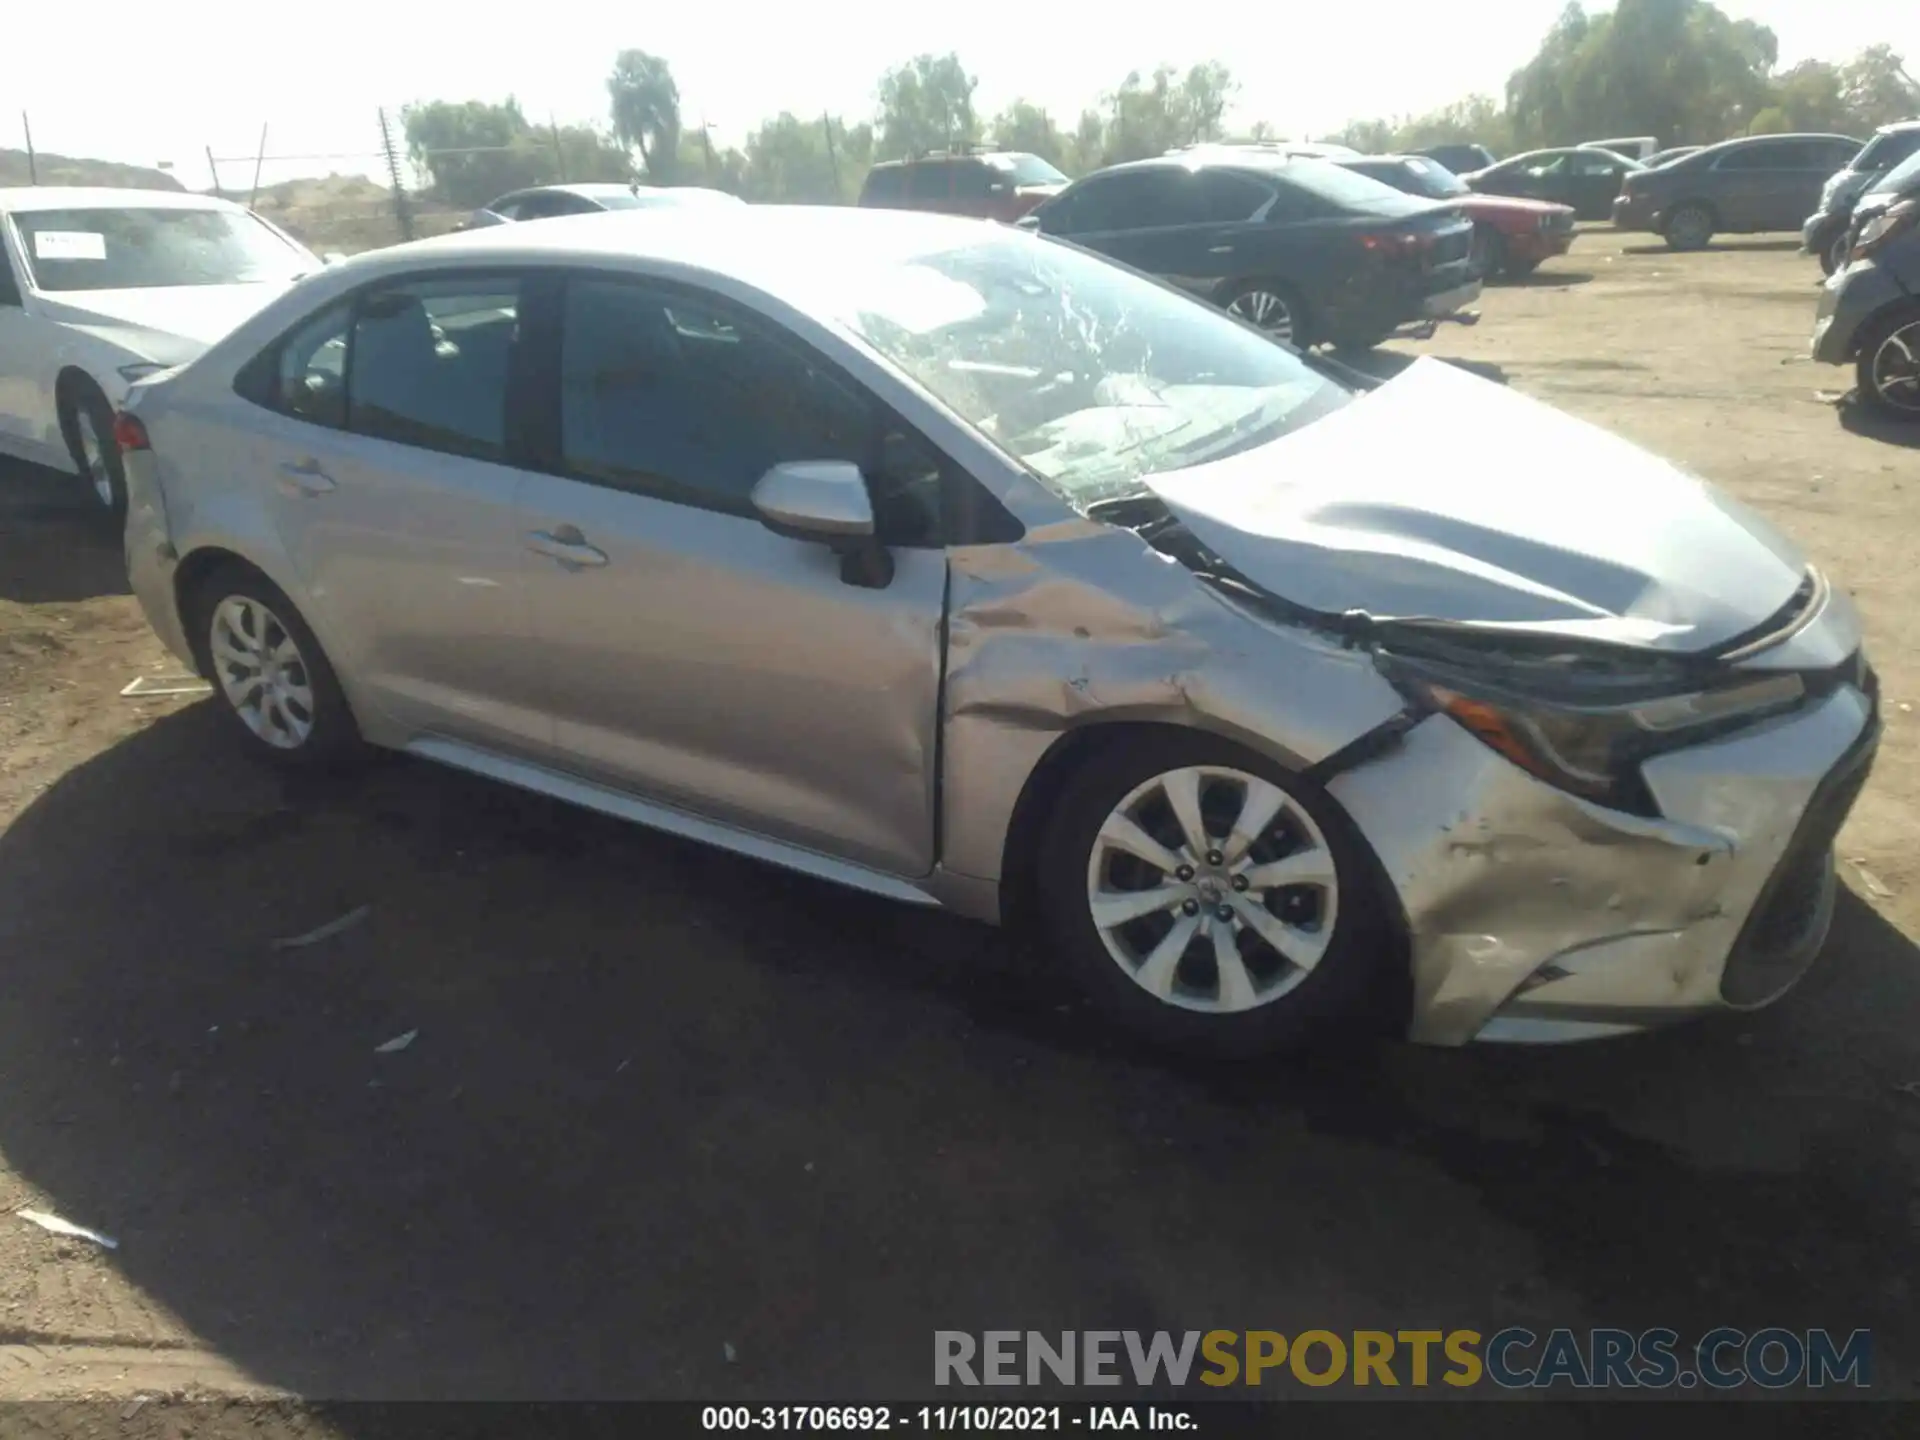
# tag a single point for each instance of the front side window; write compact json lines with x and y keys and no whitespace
{"x":428,"y":364}
{"x":141,"y":249}
{"x":310,"y":376}
{"x":685,"y":399}
{"x":1089,"y":376}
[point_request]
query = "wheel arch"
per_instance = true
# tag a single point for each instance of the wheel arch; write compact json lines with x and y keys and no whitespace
{"x":1692,"y":203}
{"x":1077,"y":745}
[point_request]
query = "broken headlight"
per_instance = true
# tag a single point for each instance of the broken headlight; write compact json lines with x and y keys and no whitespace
{"x":1595,"y":751}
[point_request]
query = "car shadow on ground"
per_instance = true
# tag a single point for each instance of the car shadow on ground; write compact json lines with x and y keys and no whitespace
{"x":1385,"y":364}
{"x":54,"y":545}
{"x":1545,"y":279}
{"x":673,"y":1124}
{"x":1857,"y":419}
{"x":1755,"y":244}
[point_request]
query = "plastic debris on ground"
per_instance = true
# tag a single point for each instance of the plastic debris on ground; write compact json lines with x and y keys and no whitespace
{"x":327,"y":931}
{"x":397,"y":1044}
{"x":54,"y":1225}
{"x":146,"y":685}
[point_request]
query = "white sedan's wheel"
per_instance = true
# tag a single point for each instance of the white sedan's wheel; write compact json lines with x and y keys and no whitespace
{"x":1212,"y":889}
{"x":262,"y":672}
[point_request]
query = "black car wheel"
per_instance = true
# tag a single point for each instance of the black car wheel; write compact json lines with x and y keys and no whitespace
{"x":1273,"y":308}
{"x":1492,"y":246}
{"x":1689,"y":228}
{"x":86,"y":423}
{"x":1888,"y":369}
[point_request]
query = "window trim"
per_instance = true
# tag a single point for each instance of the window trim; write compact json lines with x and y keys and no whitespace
{"x":13,"y":295}
{"x":970,"y":514}
{"x":256,"y":381}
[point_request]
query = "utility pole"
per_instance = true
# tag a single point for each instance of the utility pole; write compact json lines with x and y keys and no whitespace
{"x":402,"y":214}
{"x":33,"y":164}
{"x":833,"y":158}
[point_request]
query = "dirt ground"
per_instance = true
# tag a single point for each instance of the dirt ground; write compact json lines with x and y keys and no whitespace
{"x":677,"y":1125}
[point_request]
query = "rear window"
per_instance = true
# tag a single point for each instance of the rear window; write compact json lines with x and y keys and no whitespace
{"x":1027,"y":169}
{"x":1343,"y":189}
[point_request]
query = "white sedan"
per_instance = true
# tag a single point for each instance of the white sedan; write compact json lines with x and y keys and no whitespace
{"x":99,"y":288}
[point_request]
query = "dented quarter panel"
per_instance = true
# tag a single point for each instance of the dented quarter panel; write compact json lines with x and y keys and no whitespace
{"x":1500,"y":874}
{"x":1085,"y":623}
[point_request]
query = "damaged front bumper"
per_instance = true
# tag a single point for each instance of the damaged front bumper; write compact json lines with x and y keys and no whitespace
{"x":1533,"y":915}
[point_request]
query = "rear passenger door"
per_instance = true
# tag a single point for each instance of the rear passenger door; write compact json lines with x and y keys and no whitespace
{"x":1189,"y":227}
{"x":388,"y":441}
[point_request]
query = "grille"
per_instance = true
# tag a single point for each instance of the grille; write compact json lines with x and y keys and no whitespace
{"x":1772,"y":951}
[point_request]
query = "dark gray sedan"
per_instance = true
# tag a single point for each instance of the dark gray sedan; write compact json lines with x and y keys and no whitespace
{"x":542,"y":202}
{"x":1870,"y":309}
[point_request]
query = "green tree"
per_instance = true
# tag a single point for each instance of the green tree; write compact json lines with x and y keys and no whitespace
{"x":646,"y":111}
{"x":1151,"y":116}
{"x":1025,"y":126}
{"x":812,"y":162}
{"x":1877,"y":89}
{"x":926,"y":104}
{"x":1806,"y":97}
{"x":472,"y":151}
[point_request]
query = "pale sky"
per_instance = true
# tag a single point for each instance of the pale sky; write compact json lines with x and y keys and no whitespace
{"x":163,"y":79}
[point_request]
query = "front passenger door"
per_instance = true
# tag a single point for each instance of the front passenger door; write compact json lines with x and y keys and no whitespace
{"x":694,"y":657}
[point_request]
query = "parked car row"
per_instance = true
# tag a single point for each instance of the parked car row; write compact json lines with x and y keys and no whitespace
{"x":1869,"y":312}
{"x":951,"y":563}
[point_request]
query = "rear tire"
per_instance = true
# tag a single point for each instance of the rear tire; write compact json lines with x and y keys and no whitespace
{"x":270,"y":677}
{"x":1184,"y":951}
{"x":1690,"y":228}
{"x":1520,"y":269}
{"x":1274,"y":308}
{"x":86,"y":423}
{"x":1888,"y":369}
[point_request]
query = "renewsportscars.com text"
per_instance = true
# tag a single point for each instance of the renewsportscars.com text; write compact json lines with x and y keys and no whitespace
{"x":1513,"y":1358}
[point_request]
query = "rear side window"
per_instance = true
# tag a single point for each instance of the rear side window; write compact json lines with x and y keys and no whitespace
{"x":1771,"y":155}
{"x":1230,"y":199}
{"x":309,"y":381}
{"x":428,"y":364}
{"x":885,"y":183}
{"x":932,"y":180}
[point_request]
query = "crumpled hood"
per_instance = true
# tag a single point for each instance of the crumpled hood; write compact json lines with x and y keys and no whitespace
{"x":171,"y":324}
{"x":1446,"y":496}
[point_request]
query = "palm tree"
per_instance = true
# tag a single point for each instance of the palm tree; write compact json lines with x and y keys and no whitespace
{"x":646,"y":110}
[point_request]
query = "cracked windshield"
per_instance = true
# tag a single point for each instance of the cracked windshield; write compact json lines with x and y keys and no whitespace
{"x":1092,"y":377}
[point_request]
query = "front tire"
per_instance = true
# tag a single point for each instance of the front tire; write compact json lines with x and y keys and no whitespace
{"x":1209,"y":902}
{"x":1833,"y":256}
{"x":270,"y":676}
{"x":1690,"y":228}
{"x":1493,"y":253}
{"x":1888,"y":369}
{"x":86,"y":423}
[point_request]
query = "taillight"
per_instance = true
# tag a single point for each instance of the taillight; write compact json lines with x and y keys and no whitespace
{"x":129,"y":433}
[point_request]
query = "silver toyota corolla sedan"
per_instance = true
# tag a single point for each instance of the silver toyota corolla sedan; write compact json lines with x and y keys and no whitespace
{"x":960,"y":566}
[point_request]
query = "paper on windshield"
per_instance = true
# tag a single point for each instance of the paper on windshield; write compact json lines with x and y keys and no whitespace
{"x":69,"y":245}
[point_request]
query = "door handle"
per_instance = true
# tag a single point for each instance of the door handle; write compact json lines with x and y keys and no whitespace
{"x":566,"y":544}
{"x":304,"y":477}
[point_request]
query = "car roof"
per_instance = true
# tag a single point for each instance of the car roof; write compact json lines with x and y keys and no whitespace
{"x":1741,"y":142}
{"x":770,"y":247}
{"x":1898,"y":127}
{"x":982,"y":155}
{"x":19,"y":199}
{"x":1220,"y":157}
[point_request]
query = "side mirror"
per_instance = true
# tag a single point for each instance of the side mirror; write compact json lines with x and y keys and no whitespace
{"x":332,"y":257}
{"x":1028,"y":221}
{"x":826,"y":502}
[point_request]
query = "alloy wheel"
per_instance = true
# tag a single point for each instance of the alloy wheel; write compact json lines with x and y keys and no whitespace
{"x":1214,"y":890}
{"x":1267,"y":310}
{"x":261,"y":672}
{"x":93,"y":452}
{"x":1895,"y":369}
